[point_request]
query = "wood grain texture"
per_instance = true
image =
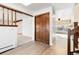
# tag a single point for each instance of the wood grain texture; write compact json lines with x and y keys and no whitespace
{"x":37,"y":48}
{"x":42,"y":28}
{"x":76,"y":34}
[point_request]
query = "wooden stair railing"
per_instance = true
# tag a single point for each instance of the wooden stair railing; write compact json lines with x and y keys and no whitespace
{"x":3,"y":16}
{"x":13,"y":15}
{"x":69,"y":43}
{"x":6,"y":7}
{"x":17,"y":21}
{"x":75,"y":33}
{"x":8,"y":16}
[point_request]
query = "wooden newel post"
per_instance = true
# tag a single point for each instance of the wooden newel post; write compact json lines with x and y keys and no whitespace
{"x":69,"y":43}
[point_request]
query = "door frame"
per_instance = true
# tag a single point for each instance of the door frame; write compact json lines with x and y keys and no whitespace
{"x":35,"y":25}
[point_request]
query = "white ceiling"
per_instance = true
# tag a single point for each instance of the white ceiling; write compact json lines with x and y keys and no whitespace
{"x":57,"y":6}
{"x":37,"y":6}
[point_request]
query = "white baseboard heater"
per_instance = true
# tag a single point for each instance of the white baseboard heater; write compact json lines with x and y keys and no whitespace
{"x":6,"y":48}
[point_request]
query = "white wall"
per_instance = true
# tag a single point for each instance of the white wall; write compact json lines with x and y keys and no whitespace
{"x":8,"y":36}
{"x":45,"y":10}
{"x":67,"y":13}
{"x":28,"y":26}
{"x":76,"y":12}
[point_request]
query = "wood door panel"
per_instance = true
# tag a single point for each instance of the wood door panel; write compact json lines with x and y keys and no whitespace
{"x":42,"y":28}
{"x":46,"y":28}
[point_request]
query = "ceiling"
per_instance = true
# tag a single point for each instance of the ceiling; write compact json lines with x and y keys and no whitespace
{"x":37,"y":6}
{"x":57,"y":6}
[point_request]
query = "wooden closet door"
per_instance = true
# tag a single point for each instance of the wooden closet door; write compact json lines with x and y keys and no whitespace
{"x":38,"y":28}
{"x":42,"y":28}
{"x":45,"y":26}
